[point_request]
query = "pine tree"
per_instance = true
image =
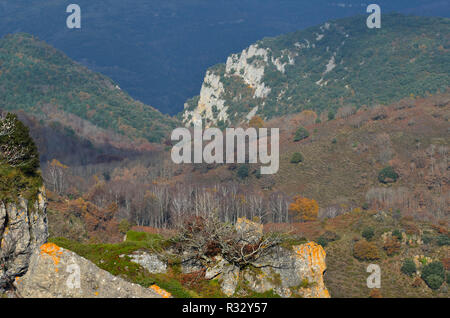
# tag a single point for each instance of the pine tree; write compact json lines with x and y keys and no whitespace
{"x":17,"y":148}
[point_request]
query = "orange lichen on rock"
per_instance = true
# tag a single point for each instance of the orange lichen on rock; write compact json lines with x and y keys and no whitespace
{"x":161,"y":291}
{"x":314,"y":256}
{"x":52,"y":250}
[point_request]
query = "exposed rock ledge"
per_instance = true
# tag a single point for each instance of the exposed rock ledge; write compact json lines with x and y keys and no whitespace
{"x":289,"y":273}
{"x":23,"y":228}
{"x":41,"y":270}
{"x":295,"y":271}
{"x":33,"y":268}
{"x":55,"y":272}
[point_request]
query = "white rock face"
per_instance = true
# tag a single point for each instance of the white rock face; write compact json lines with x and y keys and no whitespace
{"x":328,"y":68}
{"x":250,"y":66}
{"x":252,"y":113}
{"x":251,"y":63}
{"x":281,"y":67}
{"x":210,"y":98}
{"x":326,"y":26}
{"x":252,"y":73}
{"x":331,"y":65}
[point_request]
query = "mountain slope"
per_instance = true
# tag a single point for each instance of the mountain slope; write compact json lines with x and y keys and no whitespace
{"x":323,"y":68}
{"x":342,"y":159}
{"x":42,"y":81}
{"x":156,"y":50}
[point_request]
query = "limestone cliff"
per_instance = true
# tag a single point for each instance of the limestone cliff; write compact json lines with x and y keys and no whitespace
{"x":23,"y":228}
{"x":319,"y":69}
{"x":249,"y":67}
{"x":210,"y":106}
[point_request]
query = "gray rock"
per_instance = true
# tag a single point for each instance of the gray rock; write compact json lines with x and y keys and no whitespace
{"x":250,"y":231}
{"x":55,"y":272}
{"x":229,"y":279}
{"x":150,"y":262}
{"x":260,"y":280}
{"x":297,"y":270}
{"x":189,"y":265}
{"x":216,"y":269}
{"x":34,"y":268}
{"x":23,"y":227}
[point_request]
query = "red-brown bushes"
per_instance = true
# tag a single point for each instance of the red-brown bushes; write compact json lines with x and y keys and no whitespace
{"x":193,"y":280}
{"x":375,"y":293}
{"x":392,"y":246}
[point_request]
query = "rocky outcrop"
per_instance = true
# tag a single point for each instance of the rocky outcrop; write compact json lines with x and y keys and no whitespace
{"x":211,"y":105}
{"x":49,"y":271}
{"x":23,"y":228}
{"x":249,"y":231}
{"x":289,"y":272}
{"x":305,"y":70}
{"x":295,"y":271}
{"x":229,"y":279}
{"x":249,"y":66}
{"x":310,"y":266}
{"x":30,"y":267}
{"x":55,"y":272}
{"x":150,"y":262}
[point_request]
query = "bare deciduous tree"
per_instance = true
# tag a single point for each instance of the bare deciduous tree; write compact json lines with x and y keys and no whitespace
{"x":201,"y":238}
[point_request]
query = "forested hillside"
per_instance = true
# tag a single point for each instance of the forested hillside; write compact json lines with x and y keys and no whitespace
{"x":42,"y":81}
{"x":156,"y":50}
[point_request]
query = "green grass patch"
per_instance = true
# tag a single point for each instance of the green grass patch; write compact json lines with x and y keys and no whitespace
{"x":290,"y":240}
{"x":114,"y":259}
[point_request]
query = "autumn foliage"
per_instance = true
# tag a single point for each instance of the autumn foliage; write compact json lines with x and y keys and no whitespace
{"x":446,"y":263}
{"x":99,"y":222}
{"x":304,"y":209}
{"x":375,"y":293}
{"x":392,"y":246}
{"x":365,"y":251}
{"x":256,"y":122}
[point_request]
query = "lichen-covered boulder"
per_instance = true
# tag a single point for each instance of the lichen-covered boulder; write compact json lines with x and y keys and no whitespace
{"x":23,"y":228}
{"x":310,"y":264}
{"x":296,"y":271}
{"x":288,"y":271}
{"x":55,"y":272}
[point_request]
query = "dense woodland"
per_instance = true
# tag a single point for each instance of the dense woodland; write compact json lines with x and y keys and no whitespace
{"x":71,"y":92}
